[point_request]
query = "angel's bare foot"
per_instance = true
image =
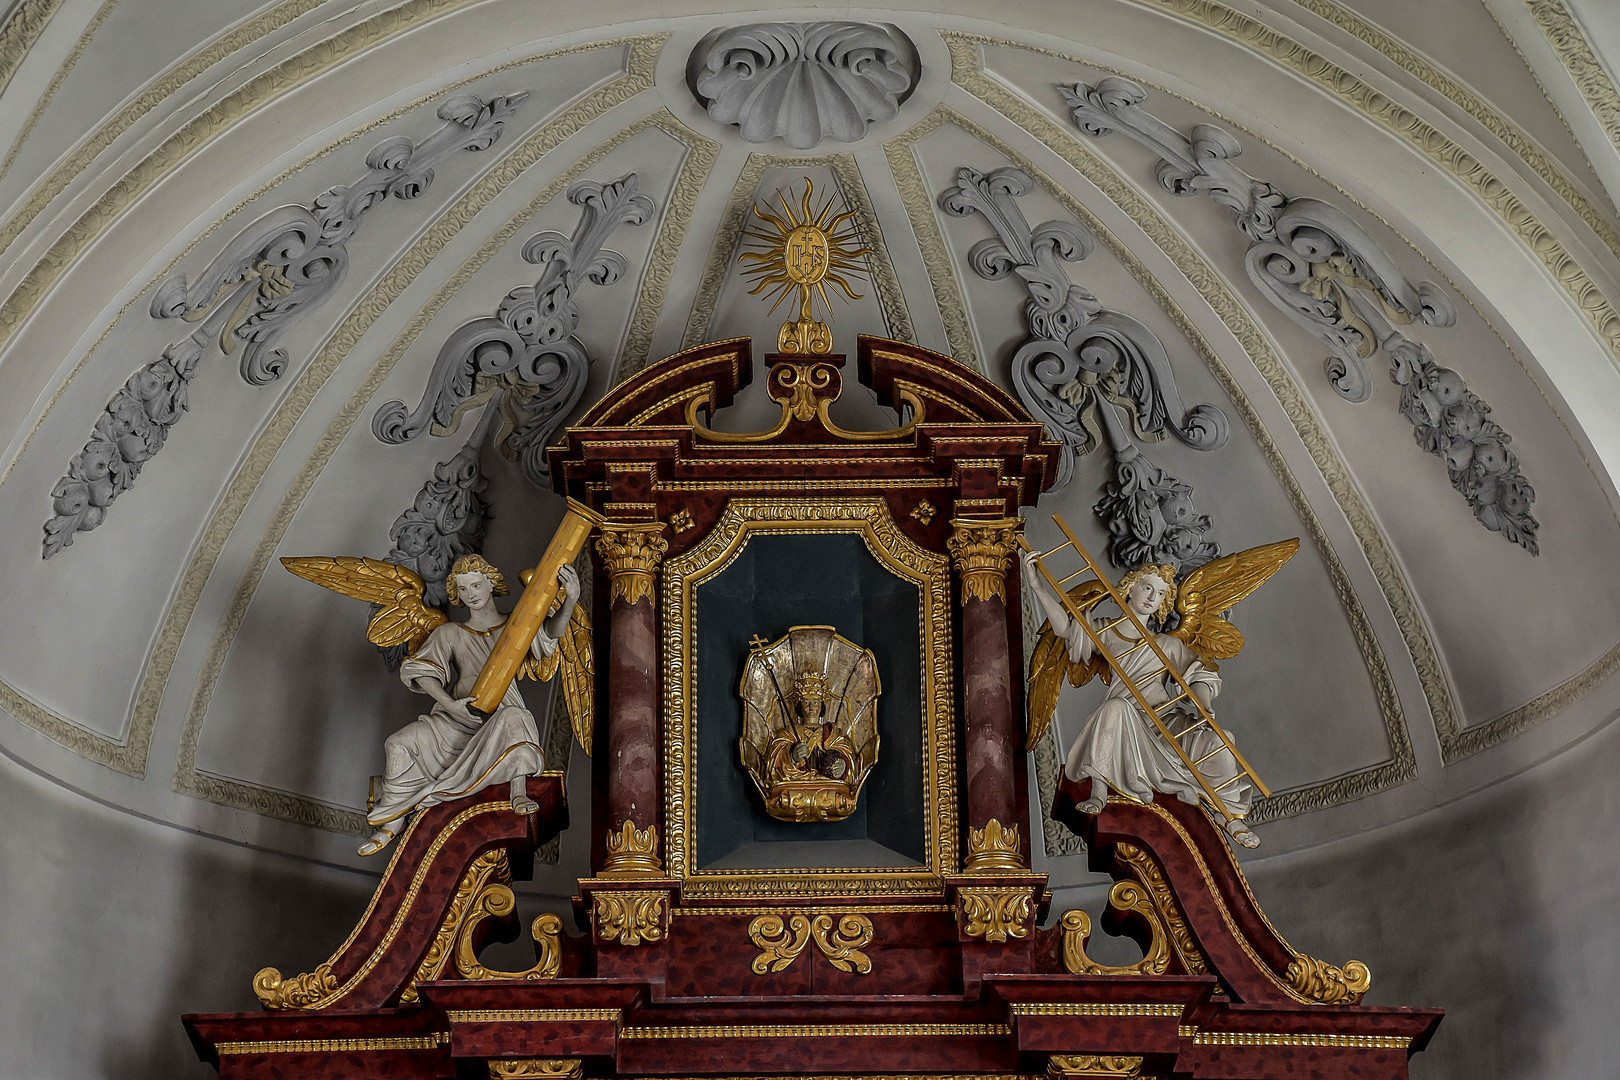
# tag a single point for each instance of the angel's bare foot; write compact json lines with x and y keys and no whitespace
{"x":522,"y":805}
{"x":380,"y":839}
{"x":1098,"y":800}
{"x":1242,"y":833}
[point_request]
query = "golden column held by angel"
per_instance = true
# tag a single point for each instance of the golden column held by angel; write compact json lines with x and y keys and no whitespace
{"x":454,"y":749}
{"x":1119,"y":749}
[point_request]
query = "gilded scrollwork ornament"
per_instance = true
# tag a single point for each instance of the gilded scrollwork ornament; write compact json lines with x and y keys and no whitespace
{"x":631,"y":917}
{"x":632,"y":552}
{"x":1092,"y":1067}
{"x":1125,"y":896}
{"x":1322,"y":982}
{"x":497,"y":901}
{"x":489,"y":869}
{"x":780,"y":942}
{"x":537,"y":1069}
{"x":995,"y":912}
{"x":306,"y":991}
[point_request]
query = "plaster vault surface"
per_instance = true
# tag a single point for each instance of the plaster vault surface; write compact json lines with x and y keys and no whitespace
{"x":268,"y":287}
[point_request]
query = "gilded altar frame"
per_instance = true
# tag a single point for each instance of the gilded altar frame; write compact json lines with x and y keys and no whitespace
{"x":930,"y":571}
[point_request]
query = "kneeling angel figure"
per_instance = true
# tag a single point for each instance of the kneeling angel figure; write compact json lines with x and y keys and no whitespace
{"x":454,"y":750}
{"x":1119,"y":748}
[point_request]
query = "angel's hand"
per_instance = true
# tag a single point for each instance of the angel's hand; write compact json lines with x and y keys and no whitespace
{"x":570,"y":582}
{"x":463,"y":709}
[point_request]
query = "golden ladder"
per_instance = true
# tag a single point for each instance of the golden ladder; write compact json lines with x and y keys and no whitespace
{"x":1147,"y":640}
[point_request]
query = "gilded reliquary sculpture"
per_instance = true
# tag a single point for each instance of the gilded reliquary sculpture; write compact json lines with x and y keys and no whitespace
{"x":809,"y":723}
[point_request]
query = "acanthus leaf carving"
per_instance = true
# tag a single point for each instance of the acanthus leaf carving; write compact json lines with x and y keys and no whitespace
{"x":273,"y":273}
{"x":1092,"y":375}
{"x":1322,"y":270}
{"x":803,"y":82}
{"x":527,"y":352}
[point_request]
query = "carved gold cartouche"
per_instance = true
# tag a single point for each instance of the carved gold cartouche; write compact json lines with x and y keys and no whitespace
{"x":809,"y":723}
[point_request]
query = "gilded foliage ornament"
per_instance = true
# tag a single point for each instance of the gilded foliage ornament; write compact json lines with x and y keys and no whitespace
{"x":781,"y":942}
{"x":631,"y":917}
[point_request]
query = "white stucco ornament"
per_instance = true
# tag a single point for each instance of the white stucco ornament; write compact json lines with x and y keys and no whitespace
{"x":803,"y":82}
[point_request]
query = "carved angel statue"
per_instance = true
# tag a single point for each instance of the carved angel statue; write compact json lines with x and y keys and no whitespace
{"x":1119,"y":748}
{"x":454,"y":750}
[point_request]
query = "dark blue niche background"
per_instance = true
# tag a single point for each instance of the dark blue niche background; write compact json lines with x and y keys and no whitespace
{"x":776,"y":582}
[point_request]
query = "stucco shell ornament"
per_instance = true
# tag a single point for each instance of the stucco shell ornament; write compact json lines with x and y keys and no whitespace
{"x":803,"y":82}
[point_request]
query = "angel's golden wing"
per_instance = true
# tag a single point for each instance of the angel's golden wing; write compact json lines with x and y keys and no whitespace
{"x":1214,"y":587}
{"x":1051,"y":663}
{"x":576,"y":659}
{"x":403,"y":619}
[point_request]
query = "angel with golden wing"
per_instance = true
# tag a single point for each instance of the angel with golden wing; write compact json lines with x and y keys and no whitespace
{"x":1119,"y":749}
{"x":453,"y":749}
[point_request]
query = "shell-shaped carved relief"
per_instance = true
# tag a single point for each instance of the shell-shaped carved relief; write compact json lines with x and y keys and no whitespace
{"x":809,"y":723}
{"x":803,"y":82}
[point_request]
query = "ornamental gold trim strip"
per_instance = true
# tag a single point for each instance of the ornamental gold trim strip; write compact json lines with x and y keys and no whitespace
{"x":1590,"y":78}
{"x":851,"y":909}
{"x":1511,"y":135}
{"x":891,"y":298}
{"x":936,"y":256}
{"x":23,"y":27}
{"x":130,"y":755}
{"x":1402,"y":764}
{"x":1094,"y":1009}
{"x":813,"y":1031}
{"x":1406,"y":124}
{"x":157,"y":92}
{"x":334,"y":1046}
{"x":1266,"y":1038}
{"x":875,"y":882}
{"x":529,"y":1016}
{"x":252,"y":797}
{"x":72,"y":58}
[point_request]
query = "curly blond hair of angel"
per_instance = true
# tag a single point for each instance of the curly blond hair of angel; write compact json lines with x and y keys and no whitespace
{"x":474,"y":564}
{"x":1166,"y":574}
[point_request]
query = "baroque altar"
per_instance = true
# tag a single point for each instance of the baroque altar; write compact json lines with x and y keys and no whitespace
{"x":809,"y":832}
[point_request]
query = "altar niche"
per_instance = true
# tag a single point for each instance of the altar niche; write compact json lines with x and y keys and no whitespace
{"x":775,"y":582}
{"x":768,"y":565}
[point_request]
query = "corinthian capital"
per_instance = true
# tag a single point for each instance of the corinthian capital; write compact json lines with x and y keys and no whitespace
{"x":632,"y":551}
{"x":983,"y":553}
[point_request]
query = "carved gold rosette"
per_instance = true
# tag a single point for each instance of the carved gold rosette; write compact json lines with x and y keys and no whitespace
{"x":782,"y":942}
{"x":632,"y":851}
{"x":996,"y":912}
{"x":993,"y":849}
{"x":631,"y":917}
{"x":632,"y":551}
{"x":983,"y":553}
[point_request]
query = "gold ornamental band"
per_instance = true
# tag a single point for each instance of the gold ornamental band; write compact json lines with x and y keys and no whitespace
{"x":1267,"y":1038}
{"x":518,"y":1016}
{"x":1094,"y":1009}
{"x":853,"y":909}
{"x":328,"y":1046}
{"x":813,"y":1031}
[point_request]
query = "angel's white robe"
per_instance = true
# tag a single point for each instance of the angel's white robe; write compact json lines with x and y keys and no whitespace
{"x":1120,"y":747}
{"x":439,"y":756}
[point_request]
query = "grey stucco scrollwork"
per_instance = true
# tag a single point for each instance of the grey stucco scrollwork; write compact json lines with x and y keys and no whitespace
{"x":271,"y":274}
{"x":1091,"y":374}
{"x":527,"y":351}
{"x":1317,"y":266}
{"x":803,"y":82}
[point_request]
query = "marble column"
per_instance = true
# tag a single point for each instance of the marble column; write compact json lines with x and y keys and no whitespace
{"x":983,"y":553}
{"x":632,"y":552}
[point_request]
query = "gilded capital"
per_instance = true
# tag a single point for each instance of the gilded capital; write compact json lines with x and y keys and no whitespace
{"x":632,"y":551}
{"x":983,"y":554}
{"x":632,"y":851}
{"x":993,"y":849}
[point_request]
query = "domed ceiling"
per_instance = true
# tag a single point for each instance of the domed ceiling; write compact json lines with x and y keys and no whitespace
{"x":323,"y":278}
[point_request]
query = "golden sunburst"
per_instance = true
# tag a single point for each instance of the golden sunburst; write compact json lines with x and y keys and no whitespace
{"x":801,"y":252}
